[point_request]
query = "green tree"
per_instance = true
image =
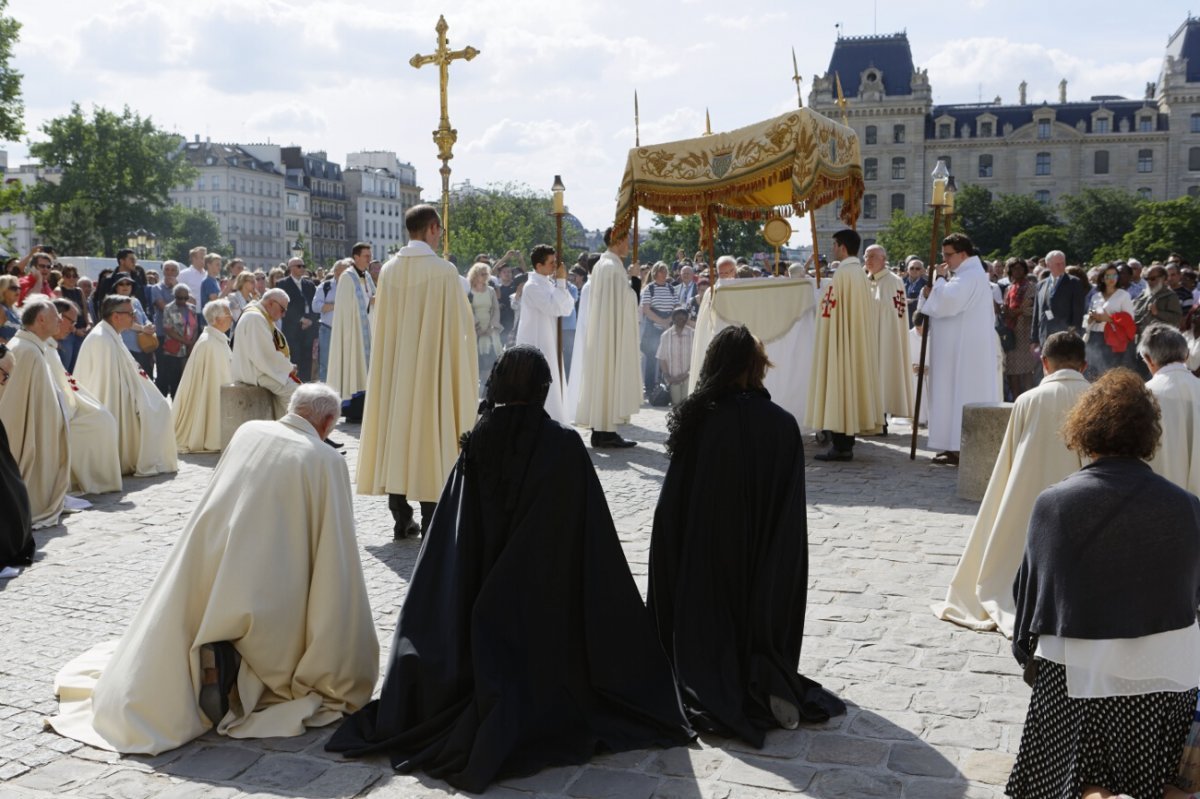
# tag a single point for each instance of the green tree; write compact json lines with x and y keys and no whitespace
{"x":71,"y":225}
{"x":906,"y":235}
{"x":737,"y":237}
{"x":1095,"y":218}
{"x":119,"y":165}
{"x":179,"y":229}
{"x":1039,"y":240}
{"x":12,"y":107}
{"x":1162,"y":228}
{"x":993,"y":220}
{"x":499,"y":218}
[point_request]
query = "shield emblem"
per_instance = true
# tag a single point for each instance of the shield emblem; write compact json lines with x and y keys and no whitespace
{"x":720,"y":163}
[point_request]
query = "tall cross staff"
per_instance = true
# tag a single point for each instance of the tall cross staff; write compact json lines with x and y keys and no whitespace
{"x":445,"y":136}
{"x":796,"y":79}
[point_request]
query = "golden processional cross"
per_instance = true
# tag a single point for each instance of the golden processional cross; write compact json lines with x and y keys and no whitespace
{"x":445,"y":136}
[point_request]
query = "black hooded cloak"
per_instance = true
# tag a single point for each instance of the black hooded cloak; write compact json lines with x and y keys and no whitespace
{"x":729,"y":569}
{"x":16,"y":521}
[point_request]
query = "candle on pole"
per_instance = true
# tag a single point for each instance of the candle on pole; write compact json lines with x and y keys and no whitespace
{"x":943,"y":198}
{"x":559,"y":209}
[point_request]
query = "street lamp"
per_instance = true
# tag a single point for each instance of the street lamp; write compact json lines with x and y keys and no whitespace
{"x":141,"y":241}
{"x":297,"y":250}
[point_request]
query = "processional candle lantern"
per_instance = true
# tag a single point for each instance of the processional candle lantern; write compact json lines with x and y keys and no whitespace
{"x":558,"y":188}
{"x":940,"y":175}
{"x":951,"y":192}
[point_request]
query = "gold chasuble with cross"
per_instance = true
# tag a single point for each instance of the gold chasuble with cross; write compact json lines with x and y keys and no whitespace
{"x":895,"y":372}
{"x":844,"y":393}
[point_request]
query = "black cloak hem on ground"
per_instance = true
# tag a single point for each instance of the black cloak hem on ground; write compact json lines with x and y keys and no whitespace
{"x":16,"y":521}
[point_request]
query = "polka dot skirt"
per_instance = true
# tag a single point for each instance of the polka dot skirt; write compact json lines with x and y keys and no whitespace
{"x":1127,"y":744}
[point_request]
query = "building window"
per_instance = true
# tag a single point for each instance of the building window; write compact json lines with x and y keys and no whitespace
{"x":200,"y":183}
{"x":985,"y":129}
{"x":1145,"y":124}
{"x":1143,"y":193}
{"x":870,"y":168}
{"x":943,"y":130}
{"x":945,"y":158}
{"x":1195,"y":123}
{"x":1043,"y":129}
{"x":1100,"y":162}
{"x":216,"y":203}
{"x":1042,"y":166}
{"x":897,"y":169}
{"x":897,"y":203}
{"x":1194,"y":159}
{"x":1145,"y":161}
{"x":1042,"y":196}
{"x":1101,"y":125}
{"x":898,"y":134}
{"x":985,"y":166}
{"x":1194,"y":191}
{"x":216,"y":182}
{"x":870,"y":206}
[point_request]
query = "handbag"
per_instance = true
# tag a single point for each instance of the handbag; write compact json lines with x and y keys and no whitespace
{"x":660,"y":396}
{"x":147,"y":342}
{"x":1008,"y":339}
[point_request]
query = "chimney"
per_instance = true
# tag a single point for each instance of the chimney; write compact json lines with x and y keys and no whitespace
{"x":1062,"y":90}
{"x":1021,"y":92}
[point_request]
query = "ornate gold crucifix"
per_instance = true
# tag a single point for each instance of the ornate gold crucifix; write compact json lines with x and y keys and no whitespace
{"x":445,"y":136}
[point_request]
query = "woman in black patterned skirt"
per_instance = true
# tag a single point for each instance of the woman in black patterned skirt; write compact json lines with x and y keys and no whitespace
{"x":1106,"y":612}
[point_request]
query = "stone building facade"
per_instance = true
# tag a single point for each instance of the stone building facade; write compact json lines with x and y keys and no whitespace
{"x":327,"y":202}
{"x":379,"y":191}
{"x":1149,"y":145}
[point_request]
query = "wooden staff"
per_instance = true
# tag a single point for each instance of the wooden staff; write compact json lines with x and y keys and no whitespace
{"x":933,"y":260}
{"x":816,"y":256}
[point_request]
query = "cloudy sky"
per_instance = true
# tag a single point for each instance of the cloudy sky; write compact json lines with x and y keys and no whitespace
{"x":552,"y":91}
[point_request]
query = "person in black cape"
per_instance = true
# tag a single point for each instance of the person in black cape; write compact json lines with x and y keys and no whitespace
{"x":523,"y":641}
{"x":729,"y":552}
{"x":16,"y":520}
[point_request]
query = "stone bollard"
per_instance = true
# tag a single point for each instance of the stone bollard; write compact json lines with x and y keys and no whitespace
{"x":983,"y":428}
{"x":243,"y":403}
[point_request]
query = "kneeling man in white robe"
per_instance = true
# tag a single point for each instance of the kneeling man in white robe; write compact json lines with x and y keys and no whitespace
{"x":197,"y":406}
{"x":260,"y":351}
{"x":146,"y":439}
{"x":1165,"y":351}
{"x":1032,"y":457}
{"x":544,"y":300}
{"x":32,"y":412}
{"x":91,"y":429}
{"x":258,"y":623}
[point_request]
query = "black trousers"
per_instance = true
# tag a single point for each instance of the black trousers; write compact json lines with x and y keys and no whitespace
{"x":842,"y":442}
{"x":402,"y":512}
{"x":170,"y":370}
{"x":300,"y":342}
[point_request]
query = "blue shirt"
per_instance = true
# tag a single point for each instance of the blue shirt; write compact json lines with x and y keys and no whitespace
{"x":570,"y":320}
{"x":209,"y":287}
{"x":130,"y":336}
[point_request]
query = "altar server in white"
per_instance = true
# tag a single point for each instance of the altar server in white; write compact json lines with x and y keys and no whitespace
{"x":198,"y":400}
{"x":544,"y":300}
{"x":1033,"y":457}
{"x":350,"y":339}
{"x":261,"y":356}
{"x":887,"y":290}
{"x":962,"y":342}
{"x":1165,"y":351}
{"x":91,"y":429}
{"x":33,"y":415}
{"x":258,"y":624}
{"x":146,"y":437}
{"x":605,"y":386}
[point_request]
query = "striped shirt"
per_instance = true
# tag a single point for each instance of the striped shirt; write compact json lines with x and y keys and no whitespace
{"x":660,"y":299}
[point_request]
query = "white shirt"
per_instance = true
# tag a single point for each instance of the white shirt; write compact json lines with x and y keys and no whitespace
{"x":193,"y":278}
{"x":1119,"y":302}
{"x":1166,"y":661}
{"x":326,"y":294}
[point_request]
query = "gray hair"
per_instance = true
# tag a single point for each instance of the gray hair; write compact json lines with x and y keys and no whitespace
{"x":1163,"y":345}
{"x":279,"y":295}
{"x":867,"y":251}
{"x":726,"y":259}
{"x":1055,"y":254}
{"x":113,"y":303}
{"x":181,"y":288}
{"x":33,"y":309}
{"x":315,"y":402}
{"x":175,"y":264}
{"x":216,"y":308}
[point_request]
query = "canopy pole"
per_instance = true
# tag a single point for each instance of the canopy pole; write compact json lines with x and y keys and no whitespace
{"x":635,"y":234}
{"x":816,"y":256}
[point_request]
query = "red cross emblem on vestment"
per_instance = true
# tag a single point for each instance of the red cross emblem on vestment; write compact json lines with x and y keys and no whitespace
{"x":899,"y":302}
{"x":828,"y":303}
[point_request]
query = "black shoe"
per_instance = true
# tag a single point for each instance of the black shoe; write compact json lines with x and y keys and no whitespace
{"x":214,"y":697}
{"x":410,"y":530}
{"x":883,"y":432}
{"x":611,"y":440}
{"x":334,"y":444}
{"x":834,"y":455}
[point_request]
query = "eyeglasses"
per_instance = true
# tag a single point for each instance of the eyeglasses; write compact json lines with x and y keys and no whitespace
{"x":124,"y":313}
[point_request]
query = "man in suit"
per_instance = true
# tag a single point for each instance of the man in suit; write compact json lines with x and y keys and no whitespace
{"x":1156,"y":305}
{"x":299,"y":322}
{"x":1060,"y":301}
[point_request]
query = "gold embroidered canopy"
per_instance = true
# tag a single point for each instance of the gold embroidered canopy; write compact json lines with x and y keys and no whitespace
{"x":791,"y":164}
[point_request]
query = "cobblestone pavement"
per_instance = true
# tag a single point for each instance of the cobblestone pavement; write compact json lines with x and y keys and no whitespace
{"x":935,"y":712}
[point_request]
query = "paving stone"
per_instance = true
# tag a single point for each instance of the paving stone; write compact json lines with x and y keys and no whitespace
{"x":691,"y":761}
{"x":897,"y":727}
{"x":956,"y":732}
{"x":214,"y":763}
{"x":919,"y":759}
{"x":128,"y":784}
{"x":283,"y":771}
{"x":594,"y":783}
{"x":989,"y":767}
{"x":61,"y":774}
{"x":846,"y":750}
{"x":943,"y":703}
{"x":551,"y":780}
{"x":774,"y":774}
{"x":690,"y":789}
{"x":856,"y":784}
